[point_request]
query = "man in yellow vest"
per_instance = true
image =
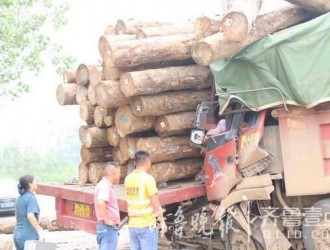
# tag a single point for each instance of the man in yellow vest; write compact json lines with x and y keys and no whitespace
{"x":143,"y":205}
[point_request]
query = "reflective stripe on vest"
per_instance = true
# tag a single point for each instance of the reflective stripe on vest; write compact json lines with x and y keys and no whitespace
{"x":146,"y":211}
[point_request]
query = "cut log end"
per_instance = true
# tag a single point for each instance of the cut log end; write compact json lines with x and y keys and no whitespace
{"x":202,"y":53}
{"x":126,"y":83}
{"x":235,"y":26}
{"x":113,"y":136}
{"x":104,"y":47}
{"x":83,"y":174}
{"x":66,"y":94}
{"x":82,"y":75}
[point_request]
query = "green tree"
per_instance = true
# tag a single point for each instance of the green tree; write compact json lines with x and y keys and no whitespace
{"x":25,"y":41}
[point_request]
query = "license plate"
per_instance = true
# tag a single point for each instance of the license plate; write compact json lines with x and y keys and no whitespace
{"x":82,"y":210}
{"x":7,"y":205}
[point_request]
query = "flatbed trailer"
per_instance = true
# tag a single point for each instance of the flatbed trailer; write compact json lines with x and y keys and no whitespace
{"x":75,"y":203}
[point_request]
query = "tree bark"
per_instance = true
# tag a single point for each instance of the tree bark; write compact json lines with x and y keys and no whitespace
{"x":181,"y":169}
{"x":104,"y":117}
{"x":66,"y":94}
{"x":131,"y":26}
{"x":82,"y":133}
{"x":105,"y":41}
{"x":111,"y":73}
{"x":109,"y":95}
{"x":82,"y":94}
{"x":95,"y":74}
{"x":69,"y":76}
{"x":128,"y":123}
{"x":127,"y":147}
{"x":89,"y":155}
{"x":119,"y":157}
{"x":205,"y":26}
{"x":216,"y":47}
{"x":86,"y":72}
{"x":134,"y":53}
{"x":168,"y":148}
{"x":318,"y":6}
{"x":237,"y":23}
{"x":87,"y":110}
{"x":96,"y":138}
{"x":83,"y":174}
{"x":113,"y":136}
{"x":91,"y":94}
{"x":174,"y":124}
{"x":96,"y":172}
{"x":166,"y":30}
{"x":170,"y":102}
{"x":154,"y":81}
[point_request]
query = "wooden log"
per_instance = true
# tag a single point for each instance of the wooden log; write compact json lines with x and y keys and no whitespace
{"x":85,"y":73}
{"x":206,"y":26}
{"x":169,"y":102}
{"x":133,"y":53}
{"x":130,"y":167}
{"x":82,"y":94}
{"x":127,"y":146}
{"x":66,"y":94}
{"x":87,"y":112}
{"x":109,"y":30}
{"x":237,"y":23}
{"x":113,"y":136}
{"x":91,"y":94}
{"x":131,"y":26}
{"x":119,"y":157}
{"x":82,"y":133}
{"x":110,"y":73}
{"x":89,"y":155}
{"x":165,"y":30}
{"x":318,"y":6}
{"x":216,"y":47}
{"x":96,"y":138}
{"x":7,"y":227}
{"x":105,"y":41}
{"x":128,"y":123}
{"x":153,"y":81}
{"x":69,"y":76}
{"x":108,"y":116}
{"x":98,"y":118}
{"x":175,"y":170}
{"x":109,"y":95}
{"x":104,"y":117}
{"x":83,"y":174}
{"x":174,"y":124}
{"x":95,"y":74}
{"x":96,"y":172}
{"x":167,"y":148}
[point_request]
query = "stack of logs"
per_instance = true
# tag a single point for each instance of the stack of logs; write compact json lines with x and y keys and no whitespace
{"x":143,"y":96}
{"x":144,"y":93}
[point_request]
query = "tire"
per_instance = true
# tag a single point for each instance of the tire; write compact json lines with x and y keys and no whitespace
{"x":311,"y":234}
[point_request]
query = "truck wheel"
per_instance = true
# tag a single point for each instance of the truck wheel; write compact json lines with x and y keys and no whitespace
{"x":318,"y":236}
{"x":239,"y":241}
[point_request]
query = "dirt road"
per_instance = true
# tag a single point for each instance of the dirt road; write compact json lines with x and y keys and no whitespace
{"x":66,"y":240}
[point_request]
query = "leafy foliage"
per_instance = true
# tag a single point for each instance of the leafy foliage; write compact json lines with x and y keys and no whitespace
{"x":49,"y":166}
{"x":25,"y":41}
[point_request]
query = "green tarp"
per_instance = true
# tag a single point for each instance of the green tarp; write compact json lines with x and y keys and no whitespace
{"x":291,"y":66}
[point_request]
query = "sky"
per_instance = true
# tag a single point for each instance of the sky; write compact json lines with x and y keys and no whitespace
{"x":36,"y":119}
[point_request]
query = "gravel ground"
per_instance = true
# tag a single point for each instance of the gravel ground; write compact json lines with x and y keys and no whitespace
{"x":70,"y":240}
